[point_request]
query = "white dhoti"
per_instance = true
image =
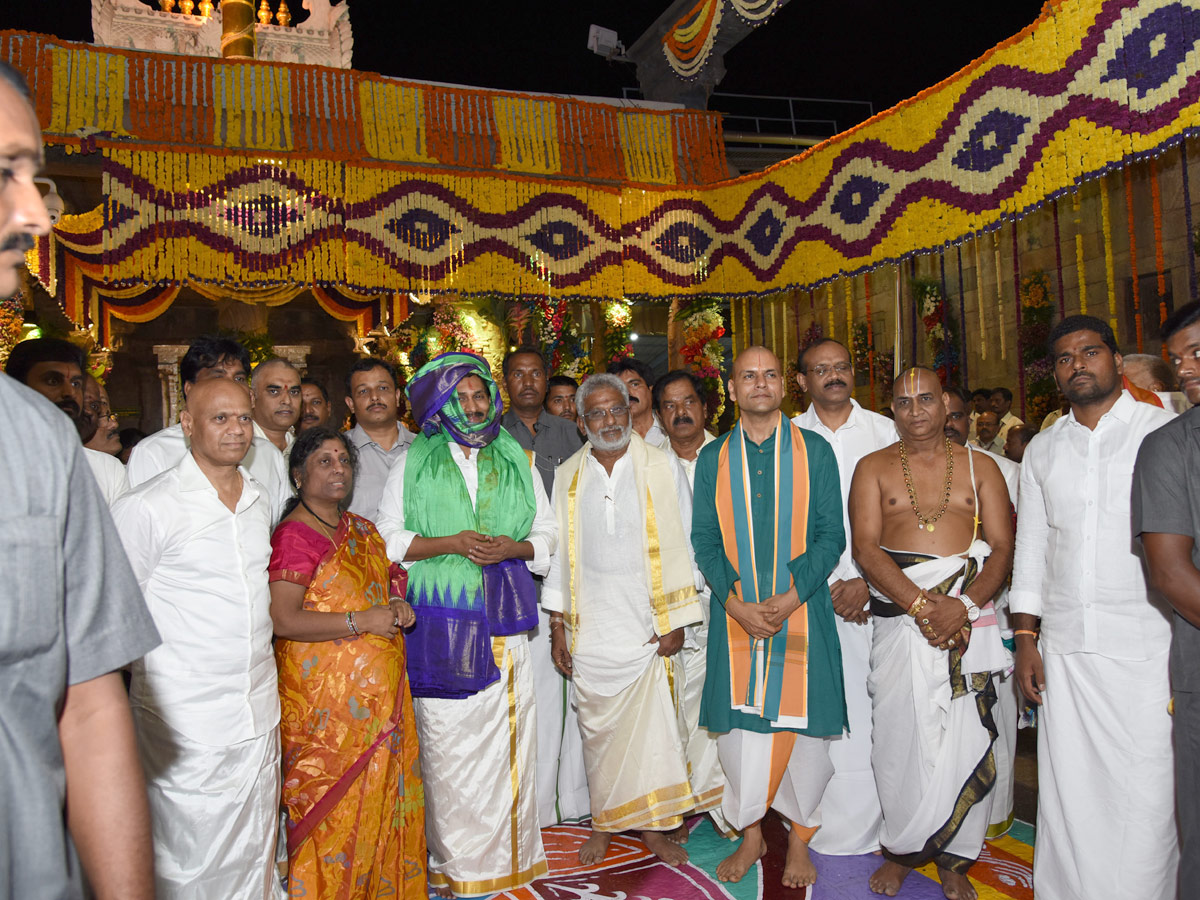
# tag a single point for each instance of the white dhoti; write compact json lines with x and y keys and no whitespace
{"x":635,"y":752}
{"x":561,"y":779}
{"x":214,"y":813}
{"x":933,"y":734}
{"x":704,"y":764}
{"x":1106,"y":784}
{"x":478,"y":764}
{"x":850,"y":814}
{"x":781,"y":770}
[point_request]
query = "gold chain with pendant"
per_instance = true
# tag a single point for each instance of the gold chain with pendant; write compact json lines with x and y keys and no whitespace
{"x":926,"y":522}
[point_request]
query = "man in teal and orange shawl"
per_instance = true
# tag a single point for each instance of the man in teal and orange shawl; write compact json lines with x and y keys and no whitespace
{"x":767,"y":530}
{"x":465,"y":515}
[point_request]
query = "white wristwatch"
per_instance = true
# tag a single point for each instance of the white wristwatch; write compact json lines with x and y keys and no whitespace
{"x":972,"y":609}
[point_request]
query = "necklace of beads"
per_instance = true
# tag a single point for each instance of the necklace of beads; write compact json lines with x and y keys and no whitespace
{"x":926,"y":522}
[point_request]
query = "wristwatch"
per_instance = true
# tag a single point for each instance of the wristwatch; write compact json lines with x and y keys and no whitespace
{"x":972,"y":609}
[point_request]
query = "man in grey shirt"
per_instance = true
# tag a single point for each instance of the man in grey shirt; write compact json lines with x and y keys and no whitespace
{"x":551,"y":438}
{"x":1166,"y":516}
{"x":562,"y":784}
{"x":71,"y":615}
{"x":374,"y":398}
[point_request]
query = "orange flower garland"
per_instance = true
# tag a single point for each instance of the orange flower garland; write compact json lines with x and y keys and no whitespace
{"x":1133,"y":270}
{"x":1159,"y":263}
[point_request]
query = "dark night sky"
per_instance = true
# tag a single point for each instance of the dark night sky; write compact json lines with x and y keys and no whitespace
{"x":877,"y":50}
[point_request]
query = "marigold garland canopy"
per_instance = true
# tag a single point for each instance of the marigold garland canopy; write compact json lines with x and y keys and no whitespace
{"x":350,"y":180}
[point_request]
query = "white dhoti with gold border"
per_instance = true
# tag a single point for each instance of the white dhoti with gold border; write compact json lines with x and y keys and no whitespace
{"x":635,"y":751}
{"x":214,"y":813}
{"x":933,"y":728}
{"x":478,"y":761}
{"x":561,"y":779}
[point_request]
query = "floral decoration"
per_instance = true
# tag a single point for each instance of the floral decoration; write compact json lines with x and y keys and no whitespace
{"x":618,"y":325}
{"x":941,"y":330}
{"x":12,"y":318}
{"x":1037,"y":314}
{"x":702,"y":326}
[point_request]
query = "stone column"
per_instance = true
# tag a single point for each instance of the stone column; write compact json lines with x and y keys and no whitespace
{"x":296,"y":354}
{"x":168,"y":356}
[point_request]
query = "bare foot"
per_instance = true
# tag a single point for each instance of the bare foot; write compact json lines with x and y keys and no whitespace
{"x":888,"y":878}
{"x":955,"y":886}
{"x":679,"y":835}
{"x":595,"y":848}
{"x":798,"y":868}
{"x":742,"y":860}
{"x":664,"y":848}
{"x":443,"y":891}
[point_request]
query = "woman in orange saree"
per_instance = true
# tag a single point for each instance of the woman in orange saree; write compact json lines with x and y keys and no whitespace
{"x":352,"y":782}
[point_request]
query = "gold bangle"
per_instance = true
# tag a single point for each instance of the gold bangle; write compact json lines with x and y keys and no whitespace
{"x":918,"y":604}
{"x":1032,"y":634}
{"x":558,"y":622}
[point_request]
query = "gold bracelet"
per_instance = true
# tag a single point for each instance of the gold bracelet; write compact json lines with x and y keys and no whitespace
{"x":1032,"y":634}
{"x":918,"y":604}
{"x":558,"y":622}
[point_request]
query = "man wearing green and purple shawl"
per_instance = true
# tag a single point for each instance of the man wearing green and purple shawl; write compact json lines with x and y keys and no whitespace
{"x":469,"y":519}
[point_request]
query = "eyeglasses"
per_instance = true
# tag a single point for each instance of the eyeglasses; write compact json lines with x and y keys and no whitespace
{"x":821,"y":371}
{"x":617,"y":412}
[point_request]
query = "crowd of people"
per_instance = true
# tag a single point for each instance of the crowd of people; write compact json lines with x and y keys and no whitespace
{"x":372,"y":661}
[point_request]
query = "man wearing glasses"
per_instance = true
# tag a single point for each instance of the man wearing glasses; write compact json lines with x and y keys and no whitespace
{"x":624,"y":581}
{"x":850,"y":814}
{"x":98,"y":448}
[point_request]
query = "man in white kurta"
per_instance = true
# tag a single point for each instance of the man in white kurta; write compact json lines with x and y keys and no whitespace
{"x":213,"y":357}
{"x":478,"y":729}
{"x":681,"y":404}
{"x":850,"y":813}
{"x":206,"y":701}
{"x":623,"y":579}
{"x":1098,"y":668}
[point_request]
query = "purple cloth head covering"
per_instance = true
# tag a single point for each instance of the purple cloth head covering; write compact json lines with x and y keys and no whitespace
{"x":434,"y":401}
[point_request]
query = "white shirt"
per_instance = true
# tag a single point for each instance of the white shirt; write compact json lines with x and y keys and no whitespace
{"x":543,"y":533}
{"x":996,"y":447}
{"x":164,"y":449}
{"x":689,"y":465}
{"x":616,"y":620}
{"x":862,"y":433}
{"x":1007,"y":422}
{"x":1076,"y":564}
{"x":656,"y":435}
{"x":1009,"y":469}
{"x":109,"y":474}
{"x":203,"y":571}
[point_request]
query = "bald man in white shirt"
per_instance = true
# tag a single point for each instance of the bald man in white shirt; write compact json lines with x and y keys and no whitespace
{"x":206,"y":702}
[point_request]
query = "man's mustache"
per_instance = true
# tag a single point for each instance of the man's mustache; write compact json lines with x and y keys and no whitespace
{"x":835,"y":383}
{"x":19,"y":241}
{"x":685,"y":420}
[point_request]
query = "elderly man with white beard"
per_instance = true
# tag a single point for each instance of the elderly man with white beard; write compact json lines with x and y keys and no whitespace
{"x":624,"y":582}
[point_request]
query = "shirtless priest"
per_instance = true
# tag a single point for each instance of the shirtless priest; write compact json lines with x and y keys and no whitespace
{"x":932,"y":531}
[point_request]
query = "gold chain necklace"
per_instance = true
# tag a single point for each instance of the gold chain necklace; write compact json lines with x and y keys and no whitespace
{"x":926,"y":522}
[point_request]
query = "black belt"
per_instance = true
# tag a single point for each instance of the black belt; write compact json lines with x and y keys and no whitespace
{"x":885,"y":609}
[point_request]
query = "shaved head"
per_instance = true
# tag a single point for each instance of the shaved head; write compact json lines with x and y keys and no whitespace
{"x":218,"y":421}
{"x":756,"y":383}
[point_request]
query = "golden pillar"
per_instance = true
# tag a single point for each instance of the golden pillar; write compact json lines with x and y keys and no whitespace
{"x":237,"y":29}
